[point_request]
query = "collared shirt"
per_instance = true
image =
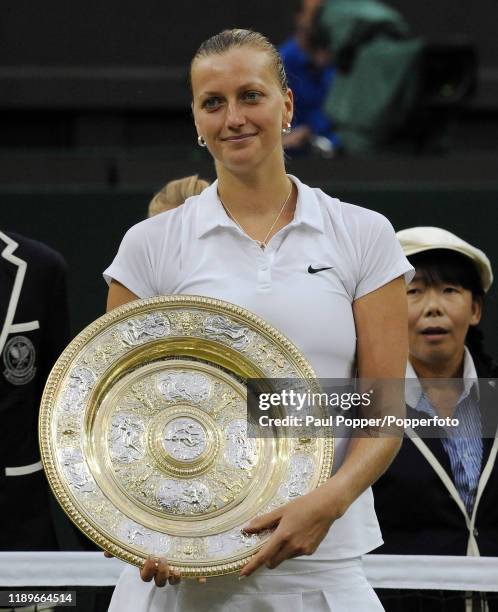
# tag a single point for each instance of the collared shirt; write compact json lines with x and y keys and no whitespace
{"x":463,"y":443}
{"x":304,"y":283}
{"x":197,"y":249}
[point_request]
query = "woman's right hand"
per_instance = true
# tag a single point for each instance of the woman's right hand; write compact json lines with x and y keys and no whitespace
{"x":157,"y":568}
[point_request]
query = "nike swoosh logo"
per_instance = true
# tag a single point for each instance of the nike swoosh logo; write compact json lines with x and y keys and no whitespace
{"x":312,"y":270}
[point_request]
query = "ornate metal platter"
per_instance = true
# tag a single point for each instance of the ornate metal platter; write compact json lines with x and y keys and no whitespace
{"x":143,"y":433}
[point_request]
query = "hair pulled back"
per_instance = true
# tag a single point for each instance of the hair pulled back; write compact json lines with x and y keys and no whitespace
{"x":237,"y":38}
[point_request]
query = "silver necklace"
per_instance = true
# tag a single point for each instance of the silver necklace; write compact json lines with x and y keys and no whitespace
{"x":261,"y":243}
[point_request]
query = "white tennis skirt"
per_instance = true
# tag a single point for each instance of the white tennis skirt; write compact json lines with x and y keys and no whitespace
{"x":298,"y":585}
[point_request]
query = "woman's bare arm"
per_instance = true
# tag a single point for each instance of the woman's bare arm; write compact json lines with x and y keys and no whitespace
{"x":382,"y":350}
{"x":381,"y":319}
{"x":118,"y":295}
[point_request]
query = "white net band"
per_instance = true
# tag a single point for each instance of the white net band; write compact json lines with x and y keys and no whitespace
{"x":383,"y":571}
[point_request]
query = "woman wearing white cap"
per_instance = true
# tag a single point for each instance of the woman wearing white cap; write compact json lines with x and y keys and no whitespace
{"x":446,"y":486}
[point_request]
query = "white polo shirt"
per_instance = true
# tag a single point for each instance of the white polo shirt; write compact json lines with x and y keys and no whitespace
{"x":196,"y":249}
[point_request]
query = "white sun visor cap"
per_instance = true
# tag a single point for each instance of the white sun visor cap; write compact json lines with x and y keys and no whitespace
{"x":419,"y":239}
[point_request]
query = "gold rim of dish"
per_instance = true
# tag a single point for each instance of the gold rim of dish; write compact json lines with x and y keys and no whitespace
{"x":74,"y":349}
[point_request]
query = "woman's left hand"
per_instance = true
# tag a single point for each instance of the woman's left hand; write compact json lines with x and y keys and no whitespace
{"x":300,"y":526}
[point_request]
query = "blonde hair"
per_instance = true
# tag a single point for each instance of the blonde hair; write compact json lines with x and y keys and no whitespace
{"x":229,"y":39}
{"x":175,"y":193}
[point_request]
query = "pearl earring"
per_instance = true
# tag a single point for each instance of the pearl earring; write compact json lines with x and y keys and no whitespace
{"x":287,"y":129}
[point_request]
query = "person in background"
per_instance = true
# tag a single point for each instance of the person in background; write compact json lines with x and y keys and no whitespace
{"x":34,"y":330}
{"x":445,"y":487}
{"x":175,"y":193}
{"x":308,"y":63}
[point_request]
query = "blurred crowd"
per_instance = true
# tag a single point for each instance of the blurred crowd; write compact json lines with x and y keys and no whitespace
{"x":364,"y":83}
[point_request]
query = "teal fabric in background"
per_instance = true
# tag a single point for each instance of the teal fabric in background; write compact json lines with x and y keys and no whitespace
{"x":352,"y":20}
{"x":373,"y":96}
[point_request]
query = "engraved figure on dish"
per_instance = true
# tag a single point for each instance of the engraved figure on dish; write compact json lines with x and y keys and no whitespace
{"x":80,"y":381}
{"x":136,"y":534}
{"x":179,"y":385}
{"x":245,"y":539}
{"x":241,"y":451}
{"x":218,"y":327}
{"x":137,"y":331}
{"x":76,"y":470}
{"x":190,"y":548}
{"x":126,"y":437}
{"x":301,"y":470}
{"x":183,"y":498}
{"x":233,"y":541}
{"x":184,"y":439}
